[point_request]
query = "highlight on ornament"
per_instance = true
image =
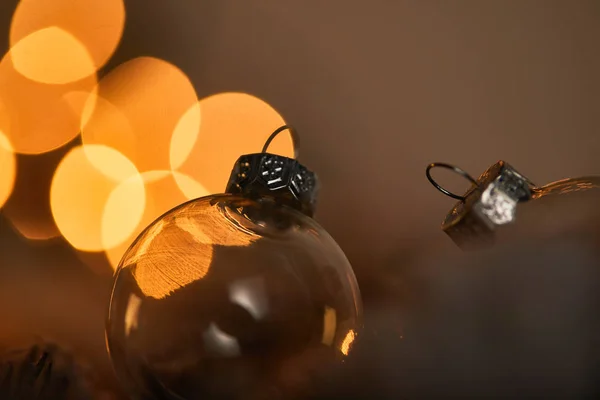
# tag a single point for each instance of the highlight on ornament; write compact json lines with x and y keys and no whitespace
{"x":162,"y":194}
{"x":232,"y":294}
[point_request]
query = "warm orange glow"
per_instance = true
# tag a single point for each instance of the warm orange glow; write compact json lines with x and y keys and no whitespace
{"x":162,"y":194}
{"x":220,"y":233}
{"x":177,"y":250}
{"x":140,"y":104}
{"x":232,"y":124}
{"x":347,"y":343}
{"x":96,"y":24}
{"x":81,"y":189}
{"x":185,"y":136}
{"x":52,"y":55}
{"x":41,"y":118}
{"x":8,"y":168}
{"x":102,"y":121}
{"x":171,"y":260}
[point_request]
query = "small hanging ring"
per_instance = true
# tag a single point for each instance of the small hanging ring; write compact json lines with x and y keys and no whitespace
{"x":293,"y":134}
{"x":453,"y":168}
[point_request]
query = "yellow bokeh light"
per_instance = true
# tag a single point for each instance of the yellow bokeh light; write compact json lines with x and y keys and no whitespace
{"x":52,"y":55}
{"x":8,"y":168}
{"x":81,"y":189}
{"x":42,"y":118}
{"x":142,"y":102}
{"x":232,"y":124}
{"x":96,"y":24}
{"x":185,"y":136}
{"x":162,"y":194}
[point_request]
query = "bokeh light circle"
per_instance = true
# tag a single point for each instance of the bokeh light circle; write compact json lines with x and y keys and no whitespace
{"x":145,"y":98}
{"x":42,"y":117}
{"x":96,"y":24}
{"x":162,"y":194}
{"x":52,"y":55}
{"x":8,"y":167}
{"x":223,"y":127}
{"x":185,"y":135}
{"x":81,"y":188}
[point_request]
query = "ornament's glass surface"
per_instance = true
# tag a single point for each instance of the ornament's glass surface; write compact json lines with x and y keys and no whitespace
{"x":231,"y":298}
{"x":563,"y":208}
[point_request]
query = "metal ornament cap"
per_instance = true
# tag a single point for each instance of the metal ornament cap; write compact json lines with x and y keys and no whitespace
{"x":283,"y":179}
{"x":490,"y":202}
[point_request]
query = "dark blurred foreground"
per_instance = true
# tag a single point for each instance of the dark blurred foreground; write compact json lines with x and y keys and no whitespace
{"x":520,"y":320}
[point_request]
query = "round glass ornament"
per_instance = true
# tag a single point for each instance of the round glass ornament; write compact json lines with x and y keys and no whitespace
{"x":235,"y":296}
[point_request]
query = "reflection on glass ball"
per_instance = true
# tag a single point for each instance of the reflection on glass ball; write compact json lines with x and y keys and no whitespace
{"x":226,"y":297}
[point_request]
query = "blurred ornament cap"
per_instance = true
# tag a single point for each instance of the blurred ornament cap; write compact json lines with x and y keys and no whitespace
{"x":489,"y":203}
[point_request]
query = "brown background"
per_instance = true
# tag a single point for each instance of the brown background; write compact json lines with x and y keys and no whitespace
{"x":377,"y":89}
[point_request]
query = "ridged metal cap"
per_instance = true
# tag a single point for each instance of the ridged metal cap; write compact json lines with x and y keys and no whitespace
{"x":281,"y":178}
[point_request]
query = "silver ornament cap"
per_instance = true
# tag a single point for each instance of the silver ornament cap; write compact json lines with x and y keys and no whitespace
{"x":489,"y":203}
{"x":281,"y":179}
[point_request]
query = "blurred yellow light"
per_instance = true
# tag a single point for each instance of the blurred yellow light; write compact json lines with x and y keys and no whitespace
{"x":8,"y":168}
{"x":185,"y":136}
{"x":232,"y":124}
{"x":81,"y":189}
{"x":162,"y":194}
{"x":141,"y":104}
{"x":96,"y":24}
{"x":53,"y":56}
{"x":347,"y":342}
{"x":102,"y":122}
{"x":41,"y":117}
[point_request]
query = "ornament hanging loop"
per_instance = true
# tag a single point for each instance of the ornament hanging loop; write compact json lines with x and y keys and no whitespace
{"x":452,"y":168}
{"x":293,"y":134}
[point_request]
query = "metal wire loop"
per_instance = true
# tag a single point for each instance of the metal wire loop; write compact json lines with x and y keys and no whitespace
{"x":293,"y":134}
{"x":453,"y":168}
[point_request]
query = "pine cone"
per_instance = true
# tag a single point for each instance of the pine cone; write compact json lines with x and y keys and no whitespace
{"x":42,"y":372}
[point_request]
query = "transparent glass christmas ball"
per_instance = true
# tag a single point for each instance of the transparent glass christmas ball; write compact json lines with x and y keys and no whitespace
{"x":231,"y":298}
